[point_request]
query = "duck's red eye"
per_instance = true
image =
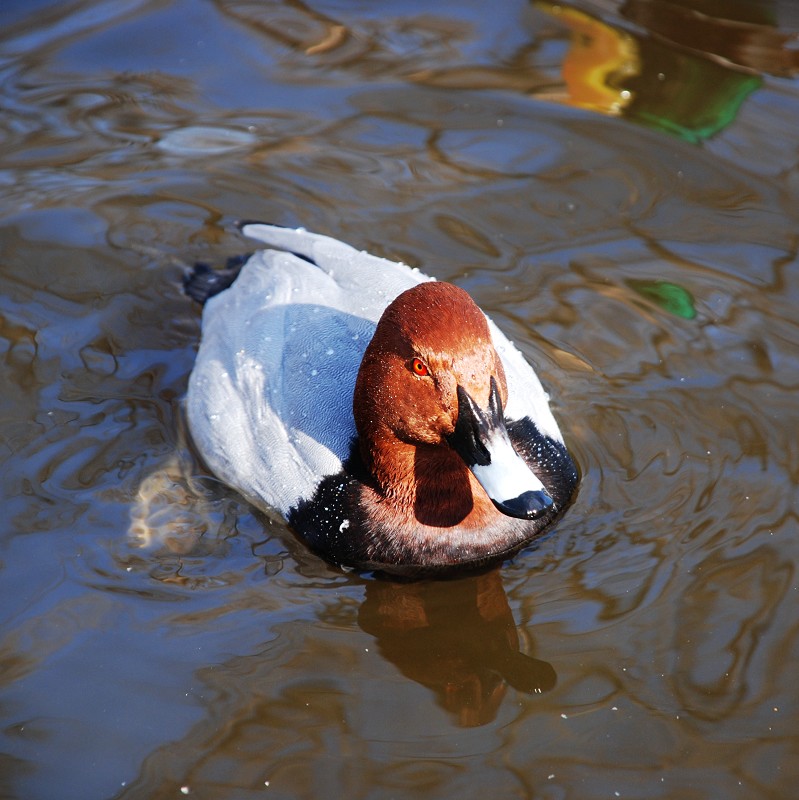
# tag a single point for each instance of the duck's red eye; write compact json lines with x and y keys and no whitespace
{"x":418,"y":367}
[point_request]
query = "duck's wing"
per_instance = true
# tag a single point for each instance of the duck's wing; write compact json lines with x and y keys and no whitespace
{"x":270,"y":397}
{"x":366,"y":283}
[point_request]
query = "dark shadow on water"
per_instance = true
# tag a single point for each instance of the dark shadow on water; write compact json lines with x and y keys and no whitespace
{"x":457,"y":638}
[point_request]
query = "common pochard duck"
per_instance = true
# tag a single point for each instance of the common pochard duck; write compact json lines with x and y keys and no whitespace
{"x":380,"y":412}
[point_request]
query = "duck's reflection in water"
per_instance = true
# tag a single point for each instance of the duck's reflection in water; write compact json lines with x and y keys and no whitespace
{"x":456,"y":637}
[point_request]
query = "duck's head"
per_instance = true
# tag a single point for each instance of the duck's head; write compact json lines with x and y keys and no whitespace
{"x":431,"y":378}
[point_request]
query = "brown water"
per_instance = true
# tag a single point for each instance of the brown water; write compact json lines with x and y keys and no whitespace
{"x":617,"y":185}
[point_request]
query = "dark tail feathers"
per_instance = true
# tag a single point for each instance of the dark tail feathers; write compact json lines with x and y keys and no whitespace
{"x":203,"y":282}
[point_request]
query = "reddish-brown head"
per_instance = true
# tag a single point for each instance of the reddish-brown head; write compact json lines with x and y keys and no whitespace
{"x":431,"y":339}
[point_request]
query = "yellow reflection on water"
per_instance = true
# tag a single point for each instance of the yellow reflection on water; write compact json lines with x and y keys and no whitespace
{"x":598,"y":61}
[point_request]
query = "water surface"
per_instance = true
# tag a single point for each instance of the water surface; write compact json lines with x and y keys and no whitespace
{"x":616,"y":184}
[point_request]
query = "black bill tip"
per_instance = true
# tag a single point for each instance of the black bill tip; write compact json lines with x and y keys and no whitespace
{"x":527,"y":505}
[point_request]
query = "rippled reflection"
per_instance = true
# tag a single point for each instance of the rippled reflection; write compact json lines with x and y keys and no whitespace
{"x":458,"y":638}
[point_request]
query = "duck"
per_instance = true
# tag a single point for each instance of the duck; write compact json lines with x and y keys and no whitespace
{"x":379,"y":412}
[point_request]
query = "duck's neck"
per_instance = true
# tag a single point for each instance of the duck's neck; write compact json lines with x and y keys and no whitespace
{"x":426,"y":484}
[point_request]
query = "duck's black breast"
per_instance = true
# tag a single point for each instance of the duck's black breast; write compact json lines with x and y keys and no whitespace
{"x":335,"y":523}
{"x":548,"y":458}
{"x":332,"y":521}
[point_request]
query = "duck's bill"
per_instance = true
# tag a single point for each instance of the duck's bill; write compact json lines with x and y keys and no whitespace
{"x":481,"y":439}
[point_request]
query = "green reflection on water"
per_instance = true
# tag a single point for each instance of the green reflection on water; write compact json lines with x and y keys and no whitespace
{"x":669,"y":296}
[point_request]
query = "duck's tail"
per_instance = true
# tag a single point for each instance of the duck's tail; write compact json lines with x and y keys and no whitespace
{"x":203,"y":282}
